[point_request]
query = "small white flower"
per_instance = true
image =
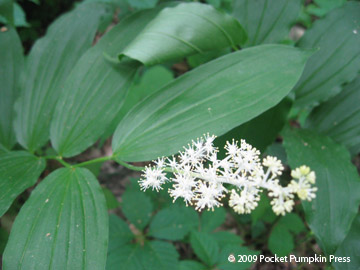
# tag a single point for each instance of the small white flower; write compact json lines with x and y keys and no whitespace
{"x":274,"y":165}
{"x":245,"y":202}
{"x":154,"y":177}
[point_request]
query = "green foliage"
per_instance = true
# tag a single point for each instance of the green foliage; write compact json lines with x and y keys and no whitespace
{"x":87,"y":78}
{"x":281,"y":241}
{"x":350,"y":247}
{"x":137,"y":208}
{"x":336,"y":62}
{"x":260,"y":131}
{"x":64,"y":224}
{"x":337,"y":200}
{"x":191,"y":265}
{"x":321,"y":7}
{"x":184,"y":30}
{"x":111,"y":201}
{"x":11,"y":59}
{"x":48,"y":64}
{"x":266,"y":21}
{"x":210,"y":220}
{"x":173,"y":223}
{"x":339,"y":117}
{"x":153,"y":79}
{"x":7,"y":11}
{"x":205,"y":247}
{"x":19,"y":170}
{"x":163,"y":127}
{"x":224,"y":238}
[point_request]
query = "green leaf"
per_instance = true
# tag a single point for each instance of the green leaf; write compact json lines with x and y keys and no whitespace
{"x":126,"y":257}
{"x":277,"y":149}
{"x":137,"y":208}
{"x":3,"y":150}
{"x":6,"y":10}
{"x":292,"y":222}
{"x":257,"y":229}
{"x":205,"y":247}
{"x":153,"y":79}
{"x":281,"y":242}
{"x":111,"y":200}
{"x":159,"y":199}
{"x":202,"y":58}
{"x":322,"y":7}
{"x":11,"y":59}
{"x":154,"y":255}
{"x":210,"y":220}
{"x":119,"y":234}
{"x":261,"y":209}
{"x":64,"y":225}
{"x":19,"y":16}
{"x":183,"y":30}
{"x":191,"y":265}
{"x":173,"y":223}
{"x":338,"y":58}
{"x":235,"y":250}
{"x":18,"y":171}
{"x":266,"y":21}
{"x":94,"y":91}
{"x":247,"y":82}
{"x":48,"y":64}
{"x":337,"y":200}
{"x":224,"y":238}
{"x":339,"y":117}
{"x":350,"y":248}
{"x":4,"y":236}
{"x":142,"y":4}
{"x":260,"y":131}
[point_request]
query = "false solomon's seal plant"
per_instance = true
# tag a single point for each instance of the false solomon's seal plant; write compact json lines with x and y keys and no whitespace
{"x":200,"y":178}
{"x":81,"y":85}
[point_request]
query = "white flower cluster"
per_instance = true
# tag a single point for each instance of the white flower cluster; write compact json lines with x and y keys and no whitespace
{"x":200,"y":178}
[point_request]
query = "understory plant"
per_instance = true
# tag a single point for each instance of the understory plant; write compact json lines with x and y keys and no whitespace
{"x":248,"y":109}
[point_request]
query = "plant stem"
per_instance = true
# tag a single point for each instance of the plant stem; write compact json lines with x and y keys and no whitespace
{"x":59,"y":159}
{"x":129,"y":166}
{"x":96,"y":160}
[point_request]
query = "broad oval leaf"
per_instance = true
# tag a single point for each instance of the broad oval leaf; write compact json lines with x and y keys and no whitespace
{"x":350,"y":248}
{"x":338,"y":60}
{"x":173,"y":223}
{"x":137,"y":207}
{"x":210,"y":220}
{"x":205,"y":247}
{"x":94,"y":91}
{"x":11,"y":63}
{"x":47,"y":66}
{"x":153,"y":79}
{"x":266,"y":21}
{"x":153,"y":255}
{"x":339,"y":117}
{"x":280,"y":241}
{"x":19,"y":170}
{"x":261,"y":131}
{"x":63,"y":225}
{"x":119,"y":233}
{"x":337,"y":200}
{"x":185,"y":29}
{"x":6,"y":10}
{"x":191,"y":265}
{"x":214,"y":97}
